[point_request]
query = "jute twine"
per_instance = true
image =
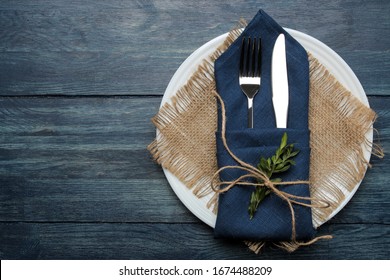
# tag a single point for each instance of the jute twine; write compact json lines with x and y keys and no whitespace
{"x":254,"y":173}
{"x":338,"y":122}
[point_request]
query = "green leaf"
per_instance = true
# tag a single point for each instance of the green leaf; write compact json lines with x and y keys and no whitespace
{"x":282,"y":169}
{"x":294,"y":153}
{"x":278,"y":152}
{"x":280,"y":162}
{"x":280,"y":165}
{"x":290,"y":161}
{"x":256,"y":198}
{"x":263,"y":164}
{"x":276,"y":180}
{"x":283,"y":143}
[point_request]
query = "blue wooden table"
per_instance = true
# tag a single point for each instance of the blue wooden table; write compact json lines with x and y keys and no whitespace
{"x":79,"y":82}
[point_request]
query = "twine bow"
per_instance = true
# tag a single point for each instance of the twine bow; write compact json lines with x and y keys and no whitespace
{"x":254,"y":173}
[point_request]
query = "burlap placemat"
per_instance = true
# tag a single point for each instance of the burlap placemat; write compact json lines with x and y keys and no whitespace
{"x":338,"y":122}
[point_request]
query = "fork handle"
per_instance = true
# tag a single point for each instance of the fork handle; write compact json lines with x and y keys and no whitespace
{"x":250,"y":112}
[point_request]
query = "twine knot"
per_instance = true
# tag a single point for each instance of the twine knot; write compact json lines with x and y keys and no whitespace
{"x":255,"y":177}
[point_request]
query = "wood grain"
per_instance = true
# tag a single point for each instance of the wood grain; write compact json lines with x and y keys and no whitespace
{"x":71,"y":159}
{"x":107,"y":47}
{"x":79,"y":82}
{"x":175,"y":241}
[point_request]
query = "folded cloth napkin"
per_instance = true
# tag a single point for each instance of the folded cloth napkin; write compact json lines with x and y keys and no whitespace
{"x":272,"y":221}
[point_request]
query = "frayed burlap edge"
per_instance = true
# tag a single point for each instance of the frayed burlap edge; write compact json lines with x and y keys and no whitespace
{"x":335,"y":174}
{"x":335,"y":168}
{"x":330,"y":184}
{"x":192,"y":97}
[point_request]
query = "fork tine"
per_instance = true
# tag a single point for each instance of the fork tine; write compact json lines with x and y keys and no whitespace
{"x":253,"y":58}
{"x":258,"y":51}
{"x":248,"y":57}
{"x":242,"y":57}
{"x":245,"y":57}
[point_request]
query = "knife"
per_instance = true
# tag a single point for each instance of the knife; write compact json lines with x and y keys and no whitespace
{"x":279,"y":82}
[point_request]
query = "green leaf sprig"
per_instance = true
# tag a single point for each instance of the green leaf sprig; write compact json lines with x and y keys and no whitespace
{"x":280,"y":162}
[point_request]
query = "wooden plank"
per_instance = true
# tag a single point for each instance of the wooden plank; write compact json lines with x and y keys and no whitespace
{"x":85,"y":159}
{"x":76,"y":181}
{"x":175,"y":241}
{"x":89,"y":49}
{"x":123,"y":73}
{"x":369,"y":67}
{"x":82,"y":159}
{"x":123,"y":25}
{"x":106,"y":48}
{"x":85,"y":73}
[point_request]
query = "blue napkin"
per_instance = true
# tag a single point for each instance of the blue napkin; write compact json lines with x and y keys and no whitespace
{"x":272,"y":221}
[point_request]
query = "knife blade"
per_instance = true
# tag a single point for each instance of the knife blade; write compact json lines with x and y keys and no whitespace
{"x":280,"y":96}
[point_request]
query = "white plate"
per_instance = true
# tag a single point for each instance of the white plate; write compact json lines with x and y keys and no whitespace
{"x":330,"y":59}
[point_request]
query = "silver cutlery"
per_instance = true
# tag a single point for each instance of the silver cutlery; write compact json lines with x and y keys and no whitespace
{"x":250,"y":71}
{"x":280,"y":96}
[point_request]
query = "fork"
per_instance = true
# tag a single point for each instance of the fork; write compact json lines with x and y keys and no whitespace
{"x":250,"y":71}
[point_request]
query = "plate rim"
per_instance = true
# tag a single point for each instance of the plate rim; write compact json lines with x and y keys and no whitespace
{"x":188,"y":67}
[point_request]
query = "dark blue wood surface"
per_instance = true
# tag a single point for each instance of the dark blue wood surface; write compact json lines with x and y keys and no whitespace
{"x":79,"y":82}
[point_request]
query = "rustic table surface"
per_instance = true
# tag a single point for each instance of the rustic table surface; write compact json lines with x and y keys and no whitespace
{"x":79,"y":82}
